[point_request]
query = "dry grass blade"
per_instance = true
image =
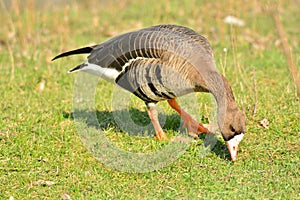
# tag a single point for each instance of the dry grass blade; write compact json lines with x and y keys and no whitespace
{"x":255,"y":91}
{"x":286,"y":47}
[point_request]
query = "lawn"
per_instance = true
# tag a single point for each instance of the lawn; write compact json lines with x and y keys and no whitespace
{"x":46,"y":150}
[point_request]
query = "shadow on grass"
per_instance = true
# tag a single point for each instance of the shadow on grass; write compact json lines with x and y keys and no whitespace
{"x":103,"y":120}
{"x":111,"y":119}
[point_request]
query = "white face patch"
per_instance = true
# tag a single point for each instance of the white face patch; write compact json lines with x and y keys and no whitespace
{"x":108,"y":74}
{"x":234,"y":142}
{"x":232,"y":145}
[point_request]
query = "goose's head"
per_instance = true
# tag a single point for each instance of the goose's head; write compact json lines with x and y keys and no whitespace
{"x":233,"y":130}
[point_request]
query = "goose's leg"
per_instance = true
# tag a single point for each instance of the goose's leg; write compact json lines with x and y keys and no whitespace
{"x":193,"y":126}
{"x":153,"y":115}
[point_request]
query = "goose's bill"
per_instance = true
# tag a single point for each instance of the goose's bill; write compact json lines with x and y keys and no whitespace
{"x":232,"y":146}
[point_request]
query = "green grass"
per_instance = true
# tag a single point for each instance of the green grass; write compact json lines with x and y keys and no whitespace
{"x":39,"y":138}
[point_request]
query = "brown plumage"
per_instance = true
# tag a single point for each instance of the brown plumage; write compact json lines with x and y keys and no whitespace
{"x":161,"y":63}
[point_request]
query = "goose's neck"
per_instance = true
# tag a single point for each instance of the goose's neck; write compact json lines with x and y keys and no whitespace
{"x":223,"y":94}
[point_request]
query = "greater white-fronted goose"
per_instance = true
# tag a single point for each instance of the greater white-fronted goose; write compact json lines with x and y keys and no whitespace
{"x":161,"y":63}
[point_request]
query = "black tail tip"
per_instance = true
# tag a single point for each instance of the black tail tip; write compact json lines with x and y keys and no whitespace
{"x":54,"y":58}
{"x":60,"y":56}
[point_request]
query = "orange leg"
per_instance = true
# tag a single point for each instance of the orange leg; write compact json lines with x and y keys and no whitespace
{"x":193,"y":126}
{"x":153,"y":115}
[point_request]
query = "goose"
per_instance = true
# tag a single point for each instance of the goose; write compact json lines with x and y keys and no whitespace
{"x":164,"y":62}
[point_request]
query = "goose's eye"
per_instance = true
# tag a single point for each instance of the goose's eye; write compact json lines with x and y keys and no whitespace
{"x":232,"y":129}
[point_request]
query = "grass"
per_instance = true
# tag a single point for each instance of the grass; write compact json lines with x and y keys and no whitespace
{"x":39,"y":139}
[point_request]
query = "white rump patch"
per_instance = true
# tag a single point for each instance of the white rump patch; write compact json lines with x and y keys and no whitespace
{"x":234,"y":142}
{"x":108,"y":74}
